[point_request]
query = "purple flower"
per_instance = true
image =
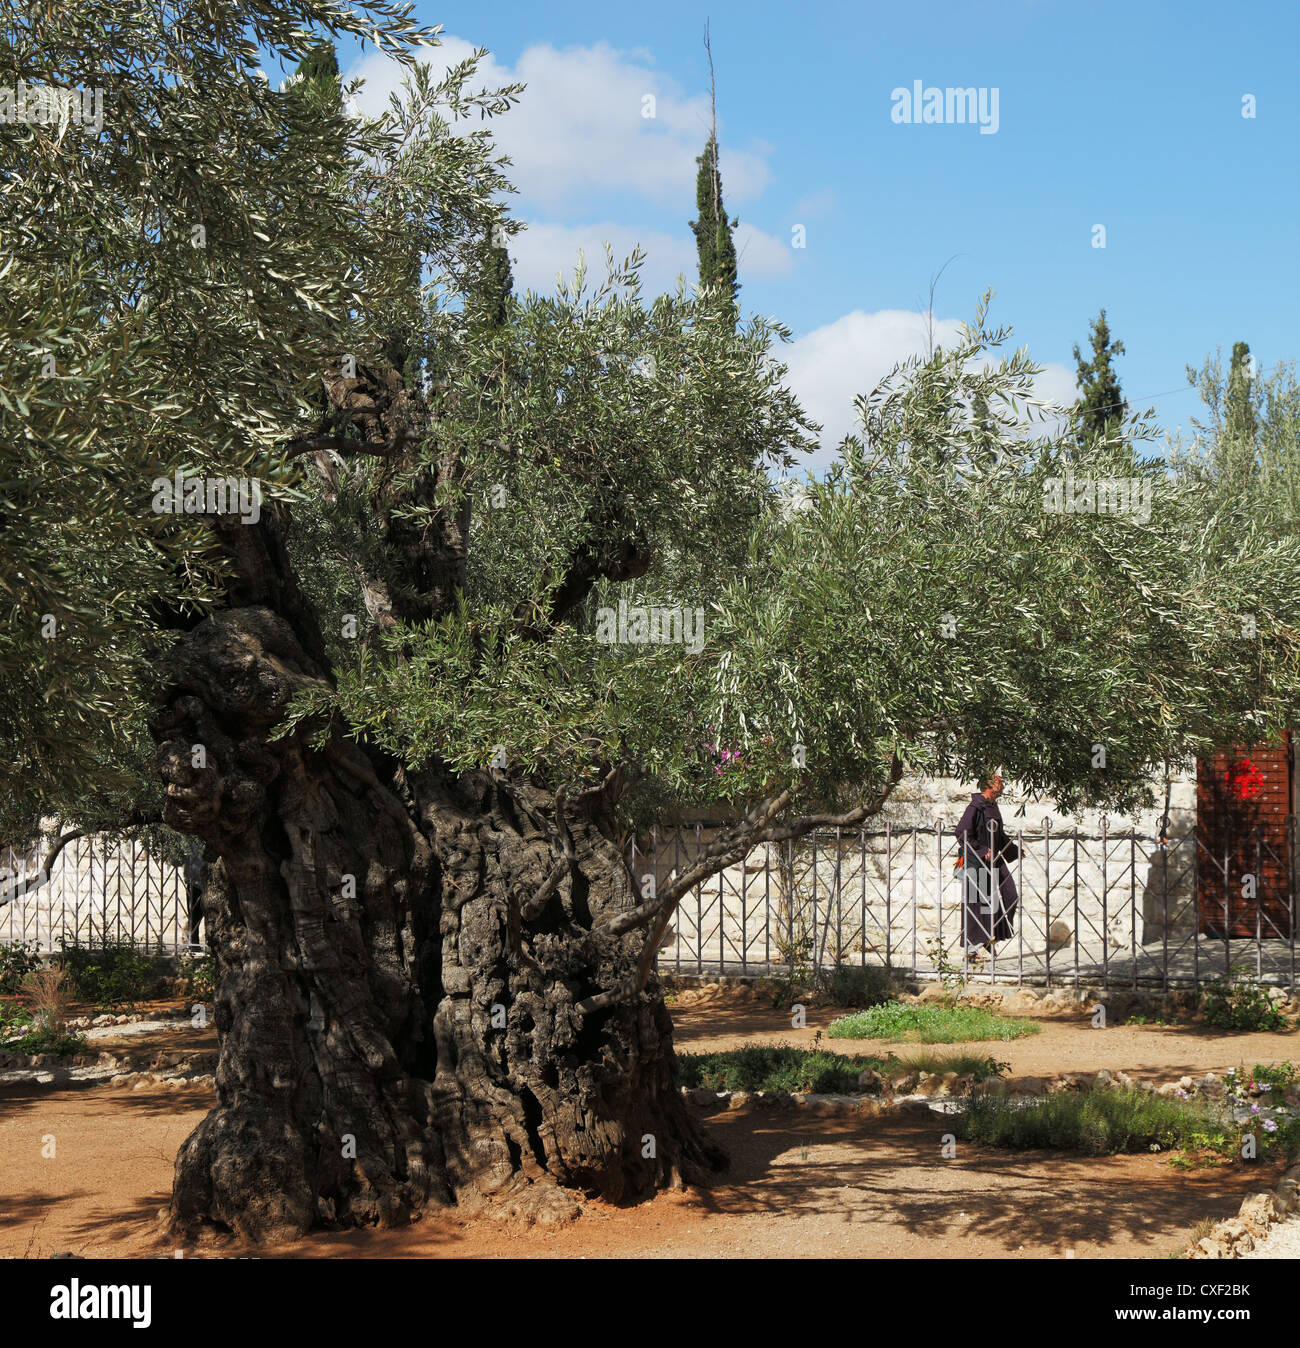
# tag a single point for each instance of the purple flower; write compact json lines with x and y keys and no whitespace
{"x":1270,"y":1125}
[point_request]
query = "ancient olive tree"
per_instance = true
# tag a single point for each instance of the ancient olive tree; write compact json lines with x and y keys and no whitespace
{"x":500,"y":605}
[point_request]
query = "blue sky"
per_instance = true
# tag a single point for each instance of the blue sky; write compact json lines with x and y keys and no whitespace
{"x":1124,"y":115}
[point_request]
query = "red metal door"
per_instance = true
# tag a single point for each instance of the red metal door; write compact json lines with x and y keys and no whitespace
{"x":1243,"y":804}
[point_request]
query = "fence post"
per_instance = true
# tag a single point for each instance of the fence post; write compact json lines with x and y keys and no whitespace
{"x":1024,"y":907}
{"x":722,"y":922}
{"x":1227,"y":901}
{"x":1132,"y":903}
{"x":1293,"y":908}
{"x":938,"y":866}
{"x":767,"y":906}
{"x":816,"y":948}
{"x":1105,"y":926}
{"x":1166,"y":848}
{"x":789,"y":905}
{"x":1047,"y":898}
{"x":839,"y":895}
{"x":1076,"y":908}
{"x":862,"y":875}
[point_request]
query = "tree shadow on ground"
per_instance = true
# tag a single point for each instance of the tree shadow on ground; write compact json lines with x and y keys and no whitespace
{"x":150,"y":1099}
{"x":892,"y":1171}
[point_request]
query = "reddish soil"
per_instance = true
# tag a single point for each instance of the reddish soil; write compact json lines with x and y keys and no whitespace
{"x":798,"y":1186}
{"x":712,"y":1020}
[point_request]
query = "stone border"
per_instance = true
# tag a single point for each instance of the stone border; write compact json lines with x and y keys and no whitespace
{"x":1237,"y":1235}
{"x":904,"y":1087}
{"x":115,"y":1073}
{"x":1009,"y":999}
{"x":148,"y":1065}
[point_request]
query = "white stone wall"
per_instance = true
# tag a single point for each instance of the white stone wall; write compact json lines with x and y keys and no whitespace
{"x":898,"y":893}
{"x":97,"y":892}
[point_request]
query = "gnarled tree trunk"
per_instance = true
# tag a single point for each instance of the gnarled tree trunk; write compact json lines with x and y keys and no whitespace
{"x":400,"y":960}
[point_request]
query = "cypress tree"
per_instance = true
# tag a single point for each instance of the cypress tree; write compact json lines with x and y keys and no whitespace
{"x":317,"y":95}
{"x":1101,"y":404}
{"x":319,"y":64}
{"x":713,"y":238}
{"x":1239,"y":408}
{"x":1236,"y":453}
{"x":488,"y":300}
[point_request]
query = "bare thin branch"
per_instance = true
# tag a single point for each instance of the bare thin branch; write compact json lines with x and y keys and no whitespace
{"x":13,"y":889}
{"x":726,"y":851}
{"x":340,"y":444}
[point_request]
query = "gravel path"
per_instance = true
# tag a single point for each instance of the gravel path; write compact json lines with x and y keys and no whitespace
{"x":1282,"y":1242}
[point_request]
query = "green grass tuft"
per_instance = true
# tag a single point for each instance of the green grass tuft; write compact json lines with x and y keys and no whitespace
{"x":769,"y":1067}
{"x":929,"y":1024}
{"x":59,"y":1042}
{"x":1106,"y":1122}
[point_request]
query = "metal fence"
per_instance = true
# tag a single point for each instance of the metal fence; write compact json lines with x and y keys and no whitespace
{"x":98,"y":893}
{"x":1111,"y":908}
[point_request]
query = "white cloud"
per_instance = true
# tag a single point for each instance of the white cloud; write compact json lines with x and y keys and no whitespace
{"x":542,"y":250}
{"x":832,"y":365}
{"x":815,"y":205}
{"x":759,"y":254}
{"x":579,"y":131}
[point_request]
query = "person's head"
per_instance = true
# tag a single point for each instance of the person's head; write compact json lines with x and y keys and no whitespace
{"x":991,"y":785}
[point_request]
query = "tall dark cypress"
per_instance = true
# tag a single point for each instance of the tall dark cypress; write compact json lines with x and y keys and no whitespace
{"x":319,"y":64}
{"x":713,"y":237}
{"x":1239,"y":407}
{"x":1101,"y":404}
{"x":321,"y":91}
{"x":489,"y":298}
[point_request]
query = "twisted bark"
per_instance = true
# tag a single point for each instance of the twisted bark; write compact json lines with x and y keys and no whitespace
{"x":400,"y":961}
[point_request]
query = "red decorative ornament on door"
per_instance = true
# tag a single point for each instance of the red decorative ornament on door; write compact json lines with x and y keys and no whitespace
{"x":1244,"y":779}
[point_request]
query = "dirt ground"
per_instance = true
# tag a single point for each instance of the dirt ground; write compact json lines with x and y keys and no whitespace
{"x":797,"y":1186}
{"x":712,"y":1020}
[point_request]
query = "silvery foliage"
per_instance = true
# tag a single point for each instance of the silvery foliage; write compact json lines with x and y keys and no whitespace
{"x":828,"y":653}
{"x":191,"y":267}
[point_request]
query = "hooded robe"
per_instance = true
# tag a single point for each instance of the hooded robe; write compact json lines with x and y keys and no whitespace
{"x":985,"y":918}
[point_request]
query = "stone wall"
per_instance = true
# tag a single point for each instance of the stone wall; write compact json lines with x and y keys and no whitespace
{"x":1089,"y":886}
{"x":99,"y":892}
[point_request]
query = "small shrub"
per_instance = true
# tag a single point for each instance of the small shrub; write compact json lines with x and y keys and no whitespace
{"x":1240,"y":1003}
{"x":13,"y":1017}
{"x":1278,"y":1075}
{"x":17,"y":960}
{"x":1096,"y":1123}
{"x":58,"y":1042}
{"x":1106,"y":1122}
{"x":854,"y":985}
{"x":760,"y":1067}
{"x":47,"y":992}
{"x":953,"y":976}
{"x":964,"y":1064}
{"x":115,"y":975}
{"x":929,"y":1024}
{"x":767,"y":1067}
{"x":198,"y":977}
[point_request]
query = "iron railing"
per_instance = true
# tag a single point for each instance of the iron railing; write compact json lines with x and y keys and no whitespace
{"x":99,"y":893}
{"x":1116,"y":908}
